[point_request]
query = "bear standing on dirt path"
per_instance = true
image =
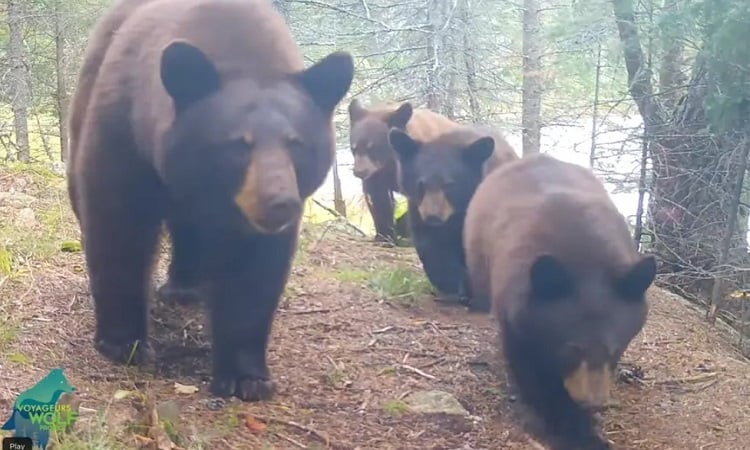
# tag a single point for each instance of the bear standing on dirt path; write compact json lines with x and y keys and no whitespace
{"x":200,"y":112}
{"x":439,"y":177}
{"x":546,"y":243}
{"x":376,"y":164}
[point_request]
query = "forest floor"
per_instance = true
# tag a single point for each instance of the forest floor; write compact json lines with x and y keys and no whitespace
{"x":357,"y":332}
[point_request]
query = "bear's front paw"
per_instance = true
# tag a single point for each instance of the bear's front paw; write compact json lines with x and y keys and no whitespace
{"x":248,"y":389}
{"x":128,"y":351}
{"x":383,"y":241}
{"x":479,"y":304}
{"x":170,"y":293}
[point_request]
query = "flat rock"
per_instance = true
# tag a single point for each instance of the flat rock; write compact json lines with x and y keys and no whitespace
{"x":16,"y":199}
{"x":25,"y":218}
{"x":434,"y":402}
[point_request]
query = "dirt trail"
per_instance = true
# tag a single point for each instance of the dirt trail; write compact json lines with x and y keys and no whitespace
{"x":343,"y":355}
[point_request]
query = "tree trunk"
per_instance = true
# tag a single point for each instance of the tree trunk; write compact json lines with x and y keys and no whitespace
{"x":433,"y":55}
{"x":726,"y":242}
{"x":469,"y":59}
{"x":18,"y":79}
{"x":595,"y":111}
{"x":62,"y":85}
{"x":671,"y":76}
{"x":532,"y":81}
{"x":338,"y":197}
{"x":693,"y":177}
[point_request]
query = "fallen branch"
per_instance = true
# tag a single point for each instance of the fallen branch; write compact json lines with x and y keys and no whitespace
{"x":339,"y":216}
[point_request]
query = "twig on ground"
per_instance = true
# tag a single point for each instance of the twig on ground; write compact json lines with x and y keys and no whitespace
{"x":290,"y":440}
{"x":333,"y":363}
{"x":365,"y":403}
{"x":322,"y":235}
{"x":433,"y":363}
{"x":404,"y":394}
{"x":301,"y":312}
{"x":702,"y":387}
{"x":300,"y":427}
{"x":416,"y":353}
{"x":418,"y":372}
{"x":693,"y":379}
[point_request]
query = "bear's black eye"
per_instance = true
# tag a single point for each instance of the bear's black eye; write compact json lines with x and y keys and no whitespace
{"x":294,"y":142}
{"x":244,"y":143}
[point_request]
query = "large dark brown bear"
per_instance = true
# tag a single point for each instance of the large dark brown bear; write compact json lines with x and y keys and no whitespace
{"x":200,"y":112}
{"x":182,"y":285}
{"x":546,"y":243}
{"x":376,"y":164}
{"x":439,"y":177}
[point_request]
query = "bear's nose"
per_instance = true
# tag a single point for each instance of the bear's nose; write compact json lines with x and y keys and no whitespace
{"x":360,"y":173}
{"x":281,"y":212}
{"x":433,"y":220}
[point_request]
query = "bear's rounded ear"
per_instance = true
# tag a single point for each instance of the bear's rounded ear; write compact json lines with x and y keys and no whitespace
{"x":550,"y":280}
{"x":403,"y":144}
{"x":356,"y":110}
{"x":479,"y":151}
{"x":636,"y":281}
{"x":187,"y":74}
{"x":401,"y":116}
{"x":328,"y":80}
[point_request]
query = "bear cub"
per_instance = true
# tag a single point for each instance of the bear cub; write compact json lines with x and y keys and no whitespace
{"x":439,"y":177}
{"x":375,"y":162}
{"x":545,"y":242}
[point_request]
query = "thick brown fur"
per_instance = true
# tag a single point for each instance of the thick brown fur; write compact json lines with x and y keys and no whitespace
{"x":375,"y":163}
{"x":99,"y":40}
{"x":545,"y":242}
{"x":200,"y":113}
{"x":439,"y":177}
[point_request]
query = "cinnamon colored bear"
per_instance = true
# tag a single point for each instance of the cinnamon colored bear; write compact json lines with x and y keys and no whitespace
{"x":546,"y":244}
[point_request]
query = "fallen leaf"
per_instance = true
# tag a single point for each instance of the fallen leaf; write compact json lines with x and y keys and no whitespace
{"x":71,"y":246}
{"x":185,"y":388}
{"x":255,"y":425}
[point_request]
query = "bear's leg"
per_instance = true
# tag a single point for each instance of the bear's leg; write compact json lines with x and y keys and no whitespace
{"x":380,"y":202}
{"x":440,"y":259}
{"x":245,"y":293}
{"x":120,"y":201}
{"x":183,"y":285}
{"x":469,"y":299}
{"x":565,"y":424}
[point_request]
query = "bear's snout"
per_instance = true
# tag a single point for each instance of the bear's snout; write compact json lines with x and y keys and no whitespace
{"x":280,"y":212}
